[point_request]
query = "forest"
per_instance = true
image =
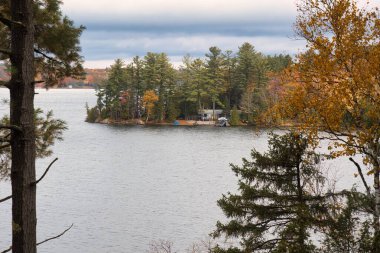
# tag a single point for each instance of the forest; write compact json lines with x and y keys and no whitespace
{"x":152,"y":89}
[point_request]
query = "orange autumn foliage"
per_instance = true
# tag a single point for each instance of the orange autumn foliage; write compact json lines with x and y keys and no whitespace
{"x":149,"y":99}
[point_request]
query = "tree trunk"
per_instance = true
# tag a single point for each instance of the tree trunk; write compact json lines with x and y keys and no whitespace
{"x":377,"y":210}
{"x":21,"y":114}
{"x":213,"y":109}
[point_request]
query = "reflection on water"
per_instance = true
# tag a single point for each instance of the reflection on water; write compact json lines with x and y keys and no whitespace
{"x":123,"y":187}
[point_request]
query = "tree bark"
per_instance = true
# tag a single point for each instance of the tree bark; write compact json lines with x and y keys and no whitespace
{"x":22,"y":115}
{"x":376,"y":244}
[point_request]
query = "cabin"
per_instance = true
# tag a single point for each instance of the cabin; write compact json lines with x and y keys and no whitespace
{"x":208,"y":114}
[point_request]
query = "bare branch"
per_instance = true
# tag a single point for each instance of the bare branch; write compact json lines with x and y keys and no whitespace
{"x":5,"y":199}
{"x":361,"y":176}
{"x":43,"y":175}
{"x":39,"y":81}
{"x":7,"y":250}
{"x":57,"y":236}
{"x":38,"y":51}
{"x":34,"y":183}
{"x":49,"y":239}
{"x":11,"y":127}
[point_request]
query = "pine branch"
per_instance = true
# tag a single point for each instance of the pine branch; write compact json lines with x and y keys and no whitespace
{"x":5,"y":146}
{"x":11,"y":127}
{"x":8,"y":22}
{"x":5,"y":51}
{"x":5,"y":84}
{"x":43,"y":175}
{"x":49,"y":239}
{"x":5,"y":21}
{"x":5,"y":139}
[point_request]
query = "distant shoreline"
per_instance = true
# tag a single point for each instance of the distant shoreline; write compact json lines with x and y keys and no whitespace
{"x":135,"y":122}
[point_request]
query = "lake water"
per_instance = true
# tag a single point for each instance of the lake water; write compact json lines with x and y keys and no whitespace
{"x":123,"y":187}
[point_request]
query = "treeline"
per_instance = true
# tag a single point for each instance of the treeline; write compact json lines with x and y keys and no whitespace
{"x":221,"y":80}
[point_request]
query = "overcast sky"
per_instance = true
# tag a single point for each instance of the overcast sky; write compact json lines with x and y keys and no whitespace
{"x":125,"y":28}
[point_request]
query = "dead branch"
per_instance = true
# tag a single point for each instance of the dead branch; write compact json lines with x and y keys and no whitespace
{"x":361,"y":176}
{"x":49,"y":239}
{"x":6,"y":198}
{"x":39,"y":81}
{"x":57,"y":236}
{"x":33,"y":183}
{"x":43,"y":175}
{"x":7,"y":250}
{"x":38,"y":51}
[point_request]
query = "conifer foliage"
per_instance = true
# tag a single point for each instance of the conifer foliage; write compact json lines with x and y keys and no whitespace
{"x":277,"y":199}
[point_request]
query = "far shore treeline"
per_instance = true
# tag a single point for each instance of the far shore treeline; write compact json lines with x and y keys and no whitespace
{"x":151,"y":89}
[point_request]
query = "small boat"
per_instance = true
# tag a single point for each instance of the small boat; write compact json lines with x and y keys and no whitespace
{"x":222,"y":122}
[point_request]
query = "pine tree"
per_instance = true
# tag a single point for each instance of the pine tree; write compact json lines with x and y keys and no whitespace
{"x":36,"y":38}
{"x":274,"y":208}
{"x":215,"y":73}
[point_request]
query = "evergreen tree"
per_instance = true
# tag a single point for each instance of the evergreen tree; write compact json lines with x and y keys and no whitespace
{"x":349,"y":224}
{"x":215,"y":76}
{"x":136,"y":80}
{"x":30,"y":28}
{"x":48,"y":131}
{"x":198,"y":84}
{"x":275,"y":207}
{"x":114,"y":85}
{"x":252,"y":81}
{"x":277,"y":63}
{"x":56,"y":41}
{"x":185,"y":87}
{"x":246,"y":65}
{"x":235,"y":117}
{"x":231,"y":90}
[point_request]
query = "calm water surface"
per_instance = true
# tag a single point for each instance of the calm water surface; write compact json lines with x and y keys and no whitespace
{"x":123,"y":187}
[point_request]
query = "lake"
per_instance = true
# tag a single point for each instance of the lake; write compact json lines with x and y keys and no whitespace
{"x":125,"y":186}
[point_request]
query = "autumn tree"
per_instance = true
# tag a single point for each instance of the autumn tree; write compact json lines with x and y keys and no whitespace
{"x":34,"y":36}
{"x":149,"y":99}
{"x":338,"y":91}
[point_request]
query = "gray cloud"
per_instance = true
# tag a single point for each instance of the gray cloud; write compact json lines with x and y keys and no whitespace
{"x":281,"y":27}
{"x":124,"y":28}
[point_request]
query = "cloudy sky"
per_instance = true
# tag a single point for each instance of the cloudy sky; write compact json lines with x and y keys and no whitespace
{"x":125,"y":28}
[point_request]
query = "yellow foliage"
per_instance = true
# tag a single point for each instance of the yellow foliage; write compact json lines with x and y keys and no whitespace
{"x":335,"y":85}
{"x":149,"y":99}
